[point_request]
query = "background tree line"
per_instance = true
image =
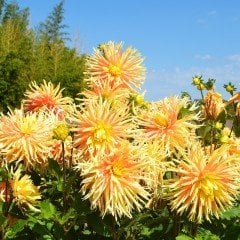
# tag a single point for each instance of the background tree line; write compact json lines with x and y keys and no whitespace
{"x":33,"y":55}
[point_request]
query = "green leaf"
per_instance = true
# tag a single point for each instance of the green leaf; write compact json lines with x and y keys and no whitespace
{"x":54,"y":167}
{"x":231,"y":213}
{"x":48,"y":210}
{"x":183,"y":237}
{"x":96,"y":223}
{"x":16,"y":228}
{"x":206,"y":235}
{"x":71,"y":213}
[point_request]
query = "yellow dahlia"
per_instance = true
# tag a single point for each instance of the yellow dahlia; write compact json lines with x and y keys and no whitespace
{"x":162,"y":122}
{"x":25,"y":137}
{"x":100,"y":127}
{"x":111,"y":62}
{"x":25,"y":193}
{"x":47,"y":96}
{"x":206,"y":184}
{"x":112,"y":182}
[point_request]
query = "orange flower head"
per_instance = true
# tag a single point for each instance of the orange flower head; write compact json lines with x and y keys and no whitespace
{"x":108,"y":91}
{"x":111,"y":62}
{"x":112,"y":182}
{"x":47,"y":97}
{"x":206,"y":185}
{"x":25,"y":137}
{"x":101,"y":127}
{"x":213,"y":105}
{"x":162,"y":122}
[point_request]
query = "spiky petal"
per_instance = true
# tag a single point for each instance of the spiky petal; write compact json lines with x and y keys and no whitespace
{"x":100,"y":127}
{"x":110,"y":62}
{"x":25,"y":137}
{"x":206,"y":184}
{"x":47,"y":96}
{"x":25,"y":193}
{"x":163,"y":122}
{"x":112,"y":182}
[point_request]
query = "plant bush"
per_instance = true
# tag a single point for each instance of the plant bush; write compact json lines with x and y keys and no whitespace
{"x":115,"y":166}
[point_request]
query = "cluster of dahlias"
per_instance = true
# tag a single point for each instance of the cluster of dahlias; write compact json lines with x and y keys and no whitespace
{"x":129,"y":152}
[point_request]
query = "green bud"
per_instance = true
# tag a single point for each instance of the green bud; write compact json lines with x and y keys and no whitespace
{"x":61,"y":132}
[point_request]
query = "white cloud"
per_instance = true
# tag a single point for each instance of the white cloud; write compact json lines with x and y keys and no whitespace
{"x":234,"y":58}
{"x":203,"y":57}
{"x":212,"y":13}
{"x":206,"y":17}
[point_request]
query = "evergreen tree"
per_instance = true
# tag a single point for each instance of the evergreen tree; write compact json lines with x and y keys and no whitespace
{"x":53,"y":27}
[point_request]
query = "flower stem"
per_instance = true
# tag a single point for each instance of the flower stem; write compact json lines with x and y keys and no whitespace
{"x":64,"y":178}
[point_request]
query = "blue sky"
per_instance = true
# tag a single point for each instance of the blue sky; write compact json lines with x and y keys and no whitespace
{"x":178,"y":38}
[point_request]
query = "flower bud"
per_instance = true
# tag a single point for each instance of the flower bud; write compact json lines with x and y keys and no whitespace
{"x":213,"y":105}
{"x":196,"y":80}
{"x":201,"y":86}
{"x":61,"y":132}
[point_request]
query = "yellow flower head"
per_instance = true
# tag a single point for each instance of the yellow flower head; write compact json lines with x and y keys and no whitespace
{"x":206,"y":185}
{"x":47,"y":97}
{"x":100,"y":127}
{"x":25,"y":193}
{"x":213,"y":105}
{"x":112,"y":92}
{"x":25,"y":137}
{"x":112,"y":63}
{"x":112,"y":182}
{"x":161,"y":122}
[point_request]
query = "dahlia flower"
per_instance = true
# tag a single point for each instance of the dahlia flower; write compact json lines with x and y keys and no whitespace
{"x":100,"y":127}
{"x":111,"y":62}
{"x":25,"y":137}
{"x":47,"y":96}
{"x":162,"y":122}
{"x":111,"y":92}
{"x":112,"y":182}
{"x":206,"y":184}
{"x":213,"y":105}
{"x":25,"y":193}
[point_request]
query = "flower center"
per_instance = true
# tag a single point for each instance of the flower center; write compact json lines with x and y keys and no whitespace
{"x":26,"y":129}
{"x":208,"y":186}
{"x":114,"y":70}
{"x":101,"y":133}
{"x":117,"y":169}
{"x":161,"y":119}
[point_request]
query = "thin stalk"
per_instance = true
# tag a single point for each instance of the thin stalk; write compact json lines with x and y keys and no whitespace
{"x":64,"y":178}
{"x":202,"y":94}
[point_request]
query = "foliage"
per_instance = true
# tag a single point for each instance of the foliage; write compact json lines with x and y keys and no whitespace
{"x":32,"y":55}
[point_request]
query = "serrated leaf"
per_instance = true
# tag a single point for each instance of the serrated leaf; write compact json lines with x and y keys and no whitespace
{"x":231,"y":213}
{"x":16,"y":228}
{"x":54,"y":167}
{"x":48,"y":210}
{"x":183,"y":237}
